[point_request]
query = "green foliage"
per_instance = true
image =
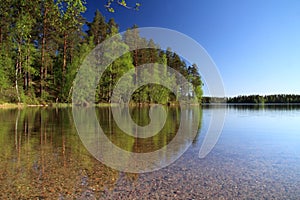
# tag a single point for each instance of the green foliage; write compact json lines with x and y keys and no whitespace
{"x":97,"y":28}
{"x":6,"y":70}
{"x":123,"y":3}
{"x":258,"y":99}
{"x":42,"y":47}
{"x":199,"y":93}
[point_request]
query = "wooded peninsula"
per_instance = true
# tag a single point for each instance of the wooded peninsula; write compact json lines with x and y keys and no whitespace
{"x":43,"y":43}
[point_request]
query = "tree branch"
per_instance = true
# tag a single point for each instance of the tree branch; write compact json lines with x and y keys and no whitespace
{"x":122,"y":3}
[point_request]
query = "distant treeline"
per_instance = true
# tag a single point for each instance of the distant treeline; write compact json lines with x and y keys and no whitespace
{"x":256,"y":99}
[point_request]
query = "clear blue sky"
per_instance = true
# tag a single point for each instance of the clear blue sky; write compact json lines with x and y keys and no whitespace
{"x":254,"y":43}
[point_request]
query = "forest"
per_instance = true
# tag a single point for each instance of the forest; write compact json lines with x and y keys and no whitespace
{"x":268,"y":99}
{"x":43,"y":42}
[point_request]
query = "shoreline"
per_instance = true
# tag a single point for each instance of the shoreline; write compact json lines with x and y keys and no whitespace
{"x":22,"y":105}
{"x":69,"y":105}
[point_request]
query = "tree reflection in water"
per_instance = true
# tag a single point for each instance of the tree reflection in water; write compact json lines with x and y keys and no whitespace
{"x":42,"y":157}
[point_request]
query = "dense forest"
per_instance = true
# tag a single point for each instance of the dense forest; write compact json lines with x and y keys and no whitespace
{"x":43,"y":42}
{"x":255,"y":99}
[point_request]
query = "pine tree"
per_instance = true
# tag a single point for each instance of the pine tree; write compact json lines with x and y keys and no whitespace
{"x":24,"y":15}
{"x":70,"y":23}
{"x":47,"y":29}
{"x":97,"y":28}
{"x":195,"y":80}
{"x":116,"y":70}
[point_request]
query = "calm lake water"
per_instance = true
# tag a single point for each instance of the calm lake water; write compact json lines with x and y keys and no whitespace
{"x":257,"y":157}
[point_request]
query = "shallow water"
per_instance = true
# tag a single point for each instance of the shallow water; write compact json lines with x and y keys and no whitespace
{"x":256,"y":157}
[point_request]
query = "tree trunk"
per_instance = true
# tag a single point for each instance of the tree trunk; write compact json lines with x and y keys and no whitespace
{"x":43,"y":53}
{"x":65,"y":56}
{"x":16,"y":82}
{"x":26,"y":70}
{"x":25,"y":85}
{"x":28,"y":78}
{"x":18,"y":69}
{"x":42,"y":67}
{"x":136,"y":65}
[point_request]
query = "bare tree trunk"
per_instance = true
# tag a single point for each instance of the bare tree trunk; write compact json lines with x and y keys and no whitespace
{"x":27,"y":71}
{"x":70,"y":92}
{"x":65,"y":55}
{"x":42,"y":66}
{"x":18,"y":69}
{"x":43,"y":52}
{"x":16,"y":82}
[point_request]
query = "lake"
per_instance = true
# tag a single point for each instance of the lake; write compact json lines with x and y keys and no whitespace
{"x":257,"y":156}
